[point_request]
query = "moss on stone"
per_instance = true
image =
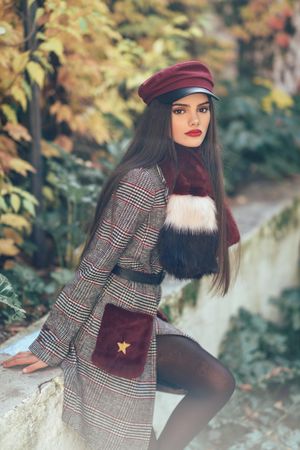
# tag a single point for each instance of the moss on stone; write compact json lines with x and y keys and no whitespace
{"x":289,"y":218}
{"x":188,"y":295}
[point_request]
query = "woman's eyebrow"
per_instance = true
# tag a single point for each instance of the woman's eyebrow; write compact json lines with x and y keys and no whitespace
{"x":184,"y":104}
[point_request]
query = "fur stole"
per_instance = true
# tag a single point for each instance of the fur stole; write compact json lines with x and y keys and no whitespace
{"x":188,"y":240}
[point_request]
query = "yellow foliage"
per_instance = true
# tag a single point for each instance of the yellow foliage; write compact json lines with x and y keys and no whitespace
{"x":15,"y":221}
{"x":21,"y":166}
{"x":24,"y":194}
{"x":278,"y":98}
{"x":96,"y":127}
{"x":6,"y":188}
{"x":94,"y":66}
{"x":19,"y":95}
{"x":8,"y":248}
{"x":263,"y":82}
{"x":48,"y":150}
{"x":62,"y":112}
{"x":19,"y":62}
{"x":48,"y":193}
{"x":54,"y":45}
{"x":15,"y":202}
{"x":36,"y":73}
{"x":258,"y":18}
{"x":3,"y":205}
{"x":9,"y":113}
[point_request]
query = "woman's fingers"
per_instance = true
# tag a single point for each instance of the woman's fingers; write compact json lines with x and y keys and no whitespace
{"x":22,"y":358}
{"x":19,"y":358}
{"x":36,"y":366}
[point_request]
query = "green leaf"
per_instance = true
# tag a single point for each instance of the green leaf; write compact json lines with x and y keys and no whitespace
{"x":83,"y":25}
{"x":8,"y":295}
{"x":15,"y":202}
{"x":3,"y":205}
{"x":27,"y":89}
{"x":25,"y":194}
{"x":39,"y":13}
{"x":29,"y":207}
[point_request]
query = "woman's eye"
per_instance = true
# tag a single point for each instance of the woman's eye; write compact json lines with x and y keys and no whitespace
{"x":204,"y":109}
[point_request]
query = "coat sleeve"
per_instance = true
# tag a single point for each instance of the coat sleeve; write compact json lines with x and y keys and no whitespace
{"x":127,"y":209}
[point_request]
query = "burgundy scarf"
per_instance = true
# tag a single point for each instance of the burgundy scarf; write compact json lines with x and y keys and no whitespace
{"x":188,"y":240}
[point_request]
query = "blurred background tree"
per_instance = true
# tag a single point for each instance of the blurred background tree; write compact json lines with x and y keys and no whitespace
{"x":68,"y":105}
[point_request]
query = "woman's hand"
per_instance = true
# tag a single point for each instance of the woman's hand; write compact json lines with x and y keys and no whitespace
{"x":22,"y":358}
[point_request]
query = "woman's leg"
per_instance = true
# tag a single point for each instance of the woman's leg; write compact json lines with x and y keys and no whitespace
{"x":181,"y":362}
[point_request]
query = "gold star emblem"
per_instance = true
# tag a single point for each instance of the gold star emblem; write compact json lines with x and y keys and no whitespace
{"x":122,"y":346}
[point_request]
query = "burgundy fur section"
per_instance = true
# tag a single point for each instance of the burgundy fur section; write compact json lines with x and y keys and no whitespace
{"x":118,"y":325}
{"x":186,"y":255}
{"x":192,"y":177}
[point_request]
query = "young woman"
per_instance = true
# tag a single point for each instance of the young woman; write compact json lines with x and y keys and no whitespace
{"x":162,"y":211}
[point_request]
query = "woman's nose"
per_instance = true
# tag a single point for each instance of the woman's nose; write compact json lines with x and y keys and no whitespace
{"x":194,"y":120}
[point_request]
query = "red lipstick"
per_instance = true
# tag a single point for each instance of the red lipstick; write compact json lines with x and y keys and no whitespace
{"x":194,"y":133}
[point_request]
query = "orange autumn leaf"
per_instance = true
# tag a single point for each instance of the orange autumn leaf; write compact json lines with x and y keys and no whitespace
{"x":9,"y":264}
{"x":282,"y":39}
{"x":276,"y":23}
{"x":8,"y":248}
{"x":21,"y":166}
{"x":245,"y":387}
{"x":17,"y":131}
{"x":10,"y":233}
{"x":8,"y":145}
{"x":64,"y":142}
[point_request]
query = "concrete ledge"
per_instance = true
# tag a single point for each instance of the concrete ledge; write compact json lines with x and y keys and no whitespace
{"x":268,"y":216}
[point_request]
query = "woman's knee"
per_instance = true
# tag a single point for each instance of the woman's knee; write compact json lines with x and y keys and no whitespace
{"x":213,"y":378}
{"x":221,"y":381}
{"x":190,"y":366}
{"x":226,"y":383}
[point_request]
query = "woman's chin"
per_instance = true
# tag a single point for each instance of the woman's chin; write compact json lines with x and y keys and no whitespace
{"x":190,"y":141}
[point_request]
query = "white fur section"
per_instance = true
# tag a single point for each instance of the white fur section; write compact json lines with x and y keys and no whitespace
{"x":191,"y":213}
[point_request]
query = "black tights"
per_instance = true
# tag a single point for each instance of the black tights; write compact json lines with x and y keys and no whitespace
{"x":209,"y":385}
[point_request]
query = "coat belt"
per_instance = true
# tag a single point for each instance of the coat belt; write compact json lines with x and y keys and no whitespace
{"x":139,"y":277}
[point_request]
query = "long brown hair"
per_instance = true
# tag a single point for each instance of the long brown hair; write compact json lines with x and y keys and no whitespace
{"x":152,"y":144}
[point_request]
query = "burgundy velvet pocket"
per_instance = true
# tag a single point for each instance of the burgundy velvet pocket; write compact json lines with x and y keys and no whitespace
{"x":123,"y":341}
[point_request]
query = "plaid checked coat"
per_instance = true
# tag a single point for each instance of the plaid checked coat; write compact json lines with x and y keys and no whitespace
{"x":111,"y":412}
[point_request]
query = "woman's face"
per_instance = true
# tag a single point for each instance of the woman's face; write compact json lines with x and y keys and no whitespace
{"x":190,"y":119}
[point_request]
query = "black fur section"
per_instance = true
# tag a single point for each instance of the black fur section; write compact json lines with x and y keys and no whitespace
{"x":187,"y":255}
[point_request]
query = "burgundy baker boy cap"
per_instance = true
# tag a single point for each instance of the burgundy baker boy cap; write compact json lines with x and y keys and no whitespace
{"x":179,"y":80}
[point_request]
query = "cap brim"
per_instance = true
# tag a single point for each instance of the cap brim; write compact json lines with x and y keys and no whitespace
{"x":172,"y":96}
